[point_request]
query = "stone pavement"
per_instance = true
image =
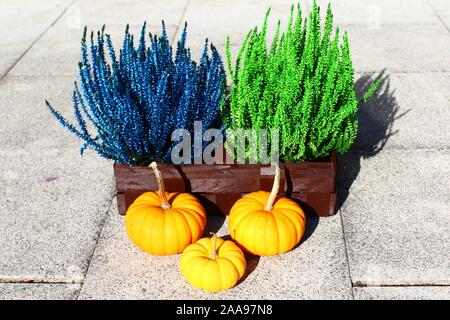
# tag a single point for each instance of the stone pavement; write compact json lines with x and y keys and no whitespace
{"x":61,"y":236}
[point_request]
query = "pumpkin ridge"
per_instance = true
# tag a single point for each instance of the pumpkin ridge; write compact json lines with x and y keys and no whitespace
{"x":149,"y":198}
{"x":194,"y":252}
{"x":232,"y":254}
{"x":195,"y":214}
{"x":146,"y":218}
{"x":197,"y":219}
{"x":256,"y":197}
{"x":186,"y":200}
{"x":231,"y":262}
{"x":187,"y":261}
{"x":219,"y":243}
{"x":225,"y":271}
{"x":164,"y":233}
{"x":284,"y":202}
{"x":140,"y":206}
{"x":182,"y":224}
{"x":219,"y":246}
{"x":191,"y":264}
{"x":243,"y":226}
{"x":174,"y":221}
{"x":227,"y":247}
{"x":130,"y":223}
{"x":283,"y":224}
{"x":263,"y":220}
{"x":171,"y":196}
{"x":189,"y":204}
{"x":291,"y":213}
{"x":299,"y":226}
{"x":206,"y":244}
{"x":143,"y":234}
{"x":277,"y":231}
{"x":236,"y":216}
{"x":244,"y":204}
{"x":219,"y":273}
{"x":204,"y":283}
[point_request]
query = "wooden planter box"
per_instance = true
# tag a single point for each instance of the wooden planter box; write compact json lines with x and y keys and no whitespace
{"x":219,"y":186}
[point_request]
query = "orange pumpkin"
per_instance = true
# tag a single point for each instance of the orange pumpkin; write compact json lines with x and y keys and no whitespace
{"x":213,"y":264}
{"x":163,"y":223}
{"x":265,"y":227}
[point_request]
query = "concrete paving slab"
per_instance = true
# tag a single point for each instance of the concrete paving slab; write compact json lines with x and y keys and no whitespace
{"x":52,"y":200}
{"x":402,"y":48}
{"x":9,"y":57}
{"x":402,"y":293}
{"x":58,"y":51}
{"x":52,"y":207}
{"x":26,"y":122}
{"x":373,"y":14}
{"x":121,"y":12}
{"x":408,"y":112}
{"x":25,"y":21}
{"x":442,"y":10}
{"x":374,"y":48}
{"x":38,"y":291}
{"x":217,"y":20}
{"x":317,"y":269}
{"x":396,"y":220}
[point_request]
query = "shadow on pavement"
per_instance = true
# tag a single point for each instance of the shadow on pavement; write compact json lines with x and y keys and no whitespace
{"x":376,"y":118}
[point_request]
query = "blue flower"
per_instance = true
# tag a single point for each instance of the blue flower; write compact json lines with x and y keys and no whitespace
{"x":135,"y":102}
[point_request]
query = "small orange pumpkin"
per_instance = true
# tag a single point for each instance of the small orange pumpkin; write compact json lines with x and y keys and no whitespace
{"x":163,"y":223}
{"x":213,"y":264}
{"x":265,"y":227}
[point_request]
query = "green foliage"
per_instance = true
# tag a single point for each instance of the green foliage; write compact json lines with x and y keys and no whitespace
{"x":302,"y":86}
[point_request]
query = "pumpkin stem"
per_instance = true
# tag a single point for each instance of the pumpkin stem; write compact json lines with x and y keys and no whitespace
{"x":161,"y":188}
{"x":213,"y":254}
{"x":275,"y":188}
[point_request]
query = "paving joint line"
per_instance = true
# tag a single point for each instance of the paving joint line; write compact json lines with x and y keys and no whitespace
{"x":346,"y":252}
{"x":361,"y":284}
{"x":355,"y":73}
{"x":32,"y":281}
{"x":102,"y":227}
{"x":36,"y":40}
{"x":438,"y":16}
{"x":399,"y":148}
{"x":390,"y":24}
{"x":180,"y":21}
{"x":79,"y":280}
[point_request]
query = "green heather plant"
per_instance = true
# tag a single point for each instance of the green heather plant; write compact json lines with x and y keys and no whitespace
{"x":302,"y":86}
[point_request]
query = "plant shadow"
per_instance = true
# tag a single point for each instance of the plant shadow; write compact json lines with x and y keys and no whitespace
{"x":312,"y":221}
{"x":251,"y":260}
{"x":213,"y":224}
{"x":252,"y":263}
{"x":376,"y":120}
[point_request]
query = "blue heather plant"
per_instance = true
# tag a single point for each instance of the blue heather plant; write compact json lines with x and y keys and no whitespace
{"x":134,"y":101}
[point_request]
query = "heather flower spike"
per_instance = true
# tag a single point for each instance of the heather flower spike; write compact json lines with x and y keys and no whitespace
{"x":129,"y":102}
